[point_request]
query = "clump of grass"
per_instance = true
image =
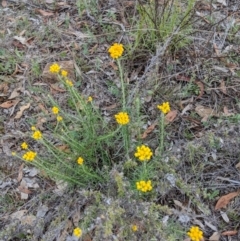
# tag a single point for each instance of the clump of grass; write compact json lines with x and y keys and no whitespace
{"x":159,"y":20}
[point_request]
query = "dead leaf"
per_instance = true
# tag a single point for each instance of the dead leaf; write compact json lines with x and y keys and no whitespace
{"x":238,"y":166}
{"x":22,"y":109}
{"x":20,"y":173}
{"x":19,"y":214}
{"x":24,"y":190}
{"x":22,"y":40}
{"x":224,"y":216}
{"x":43,"y":109}
{"x":170,"y":116}
{"x":215,"y":237}
{"x":224,"y":200}
{"x":114,"y":66}
{"x":4,"y":89}
{"x":44,"y":13}
{"x":9,"y":103}
{"x":110,"y":107}
{"x":223,"y":2}
{"x":64,"y":148}
{"x":28,"y":220}
{"x":15,"y":93}
{"x":187,"y":108}
{"x":4,"y":3}
{"x":56,"y":88}
{"x":148,"y":130}
{"x":226,"y":112}
{"x":205,"y":112}
{"x":229,"y":233}
{"x":223,"y":87}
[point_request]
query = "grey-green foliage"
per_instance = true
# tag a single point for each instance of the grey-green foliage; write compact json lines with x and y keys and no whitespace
{"x":157,"y":22}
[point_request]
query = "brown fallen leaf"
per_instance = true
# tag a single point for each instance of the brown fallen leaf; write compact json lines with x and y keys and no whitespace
{"x":224,"y":200}
{"x":223,"y":87}
{"x":205,"y":112}
{"x":24,"y":189}
{"x":238,"y":166}
{"x":4,"y":3}
{"x":22,"y":109}
{"x":148,"y":130}
{"x":229,"y":233}
{"x":170,"y":116}
{"x":215,"y":237}
{"x":9,"y":103}
{"x":226,"y":112}
{"x":56,"y":88}
{"x":20,"y":173}
{"x":15,"y":93}
{"x":44,"y":13}
{"x":4,"y":89}
{"x":43,"y":109}
{"x":201,"y":86}
{"x":110,"y":107}
{"x":64,"y":148}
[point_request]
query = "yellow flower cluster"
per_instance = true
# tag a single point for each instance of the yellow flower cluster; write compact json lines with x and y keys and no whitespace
{"x":195,"y":233}
{"x":59,"y":118}
{"x":69,"y":83}
{"x":134,"y":228}
{"x":143,"y":153}
{"x":89,"y":99}
{"x":29,"y":156}
{"x":24,"y":145}
{"x":55,"y":110}
{"x":77,"y":232}
{"x":64,"y":73}
{"x":164,"y":107}
{"x":80,"y":160}
{"x":54,"y":68}
{"x":144,"y":186}
{"x":37,"y":135}
{"x":116,"y":50}
{"x":122,"y":118}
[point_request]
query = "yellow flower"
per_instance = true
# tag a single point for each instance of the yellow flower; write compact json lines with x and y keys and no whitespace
{"x":59,"y":118}
{"x":24,"y":145}
{"x":89,"y":99}
{"x":55,"y":110}
{"x":144,"y":186}
{"x":37,"y":135}
{"x":77,"y":232}
{"x":33,"y":128}
{"x":80,"y":160}
{"x":164,"y":107}
{"x":69,"y":83}
{"x":13,"y":153}
{"x":29,"y":156}
{"x":195,"y":233}
{"x":122,"y":118}
{"x":116,"y":50}
{"x":64,"y":73}
{"x":54,"y":68}
{"x":134,"y":228}
{"x":143,"y":153}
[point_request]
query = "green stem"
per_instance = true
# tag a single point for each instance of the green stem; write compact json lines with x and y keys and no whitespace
{"x":122,"y":85}
{"x":161,"y":124}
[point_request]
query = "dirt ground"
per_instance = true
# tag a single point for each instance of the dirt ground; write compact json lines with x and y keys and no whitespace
{"x":202,"y":148}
